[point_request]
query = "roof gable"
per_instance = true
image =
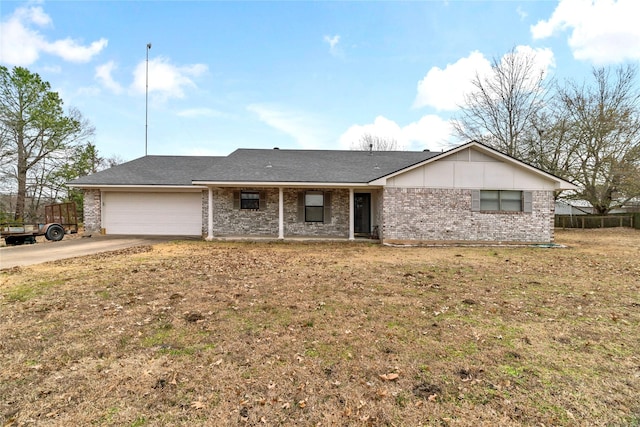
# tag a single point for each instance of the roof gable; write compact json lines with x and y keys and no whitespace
{"x":475,"y":152}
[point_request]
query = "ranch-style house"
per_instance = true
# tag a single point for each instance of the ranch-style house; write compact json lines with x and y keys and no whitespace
{"x":469,"y":194}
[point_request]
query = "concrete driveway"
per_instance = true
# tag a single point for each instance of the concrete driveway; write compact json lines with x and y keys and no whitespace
{"x":15,"y":256}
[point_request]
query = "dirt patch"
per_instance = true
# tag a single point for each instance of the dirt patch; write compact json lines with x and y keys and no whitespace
{"x":326,"y":334}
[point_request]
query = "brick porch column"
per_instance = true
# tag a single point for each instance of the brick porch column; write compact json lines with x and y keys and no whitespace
{"x":210,"y":215}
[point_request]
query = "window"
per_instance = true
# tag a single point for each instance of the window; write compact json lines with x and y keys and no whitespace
{"x":501,"y":200}
{"x":314,"y":206}
{"x":249,"y":200}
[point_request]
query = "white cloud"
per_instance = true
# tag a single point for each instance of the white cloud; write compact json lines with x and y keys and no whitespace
{"x":103,"y":75}
{"x":543,"y":58}
{"x":304,"y":128}
{"x":445,"y":89}
{"x":602,"y":31}
{"x":431,"y":132}
{"x":333,"y":41}
{"x":71,"y":50}
{"x":521,"y":13}
{"x":21,"y":43}
{"x":381,"y":127}
{"x":166,"y":80}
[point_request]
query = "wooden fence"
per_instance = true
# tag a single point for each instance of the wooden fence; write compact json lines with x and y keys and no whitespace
{"x":596,"y":221}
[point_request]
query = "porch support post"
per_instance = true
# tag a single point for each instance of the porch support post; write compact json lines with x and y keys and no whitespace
{"x":280,"y":213}
{"x":210,"y":215}
{"x":351,"y":215}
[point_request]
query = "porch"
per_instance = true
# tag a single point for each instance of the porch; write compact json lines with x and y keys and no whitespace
{"x":300,"y":213}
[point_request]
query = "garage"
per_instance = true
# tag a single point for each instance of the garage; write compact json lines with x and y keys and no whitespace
{"x":161,"y":213}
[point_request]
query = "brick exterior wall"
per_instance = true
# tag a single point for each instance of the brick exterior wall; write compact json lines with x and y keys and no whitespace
{"x":337,"y":227}
{"x":230,"y":221}
{"x":378,"y":211}
{"x":402,"y":214}
{"x":427,"y":214}
{"x":92,"y":211}
{"x":205,"y":213}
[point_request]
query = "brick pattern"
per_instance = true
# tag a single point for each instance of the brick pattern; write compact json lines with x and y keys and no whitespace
{"x":402,"y":214}
{"x":92,"y":211}
{"x":205,"y":212}
{"x":378,"y":211}
{"x":427,"y":214}
{"x":228,"y":221}
{"x":338,"y":227}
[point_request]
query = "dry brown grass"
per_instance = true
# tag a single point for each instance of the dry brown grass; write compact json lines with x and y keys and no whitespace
{"x":197,"y":333}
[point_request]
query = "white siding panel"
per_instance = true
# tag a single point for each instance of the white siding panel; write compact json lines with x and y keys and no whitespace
{"x":498,"y":176}
{"x":412,"y":178}
{"x":171,"y":214}
{"x":531,"y":182}
{"x":475,"y":174}
{"x":468,"y":175}
{"x":478,"y":156}
{"x":469,"y":155}
{"x":439,"y":175}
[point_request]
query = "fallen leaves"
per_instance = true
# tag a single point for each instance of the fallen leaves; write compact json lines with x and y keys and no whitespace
{"x":197,"y":404}
{"x":284,"y":334}
{"x":389,"y":377}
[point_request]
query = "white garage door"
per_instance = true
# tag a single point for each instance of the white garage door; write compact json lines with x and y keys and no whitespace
{"x":169,"y":214}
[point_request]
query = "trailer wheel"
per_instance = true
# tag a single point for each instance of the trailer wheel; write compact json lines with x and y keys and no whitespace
{"x":55,"y":232}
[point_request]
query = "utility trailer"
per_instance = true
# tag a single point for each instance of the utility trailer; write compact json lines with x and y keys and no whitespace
{"x":60,"y":218}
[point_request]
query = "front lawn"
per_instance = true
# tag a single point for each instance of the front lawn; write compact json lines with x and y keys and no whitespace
{"x":223,"y":333}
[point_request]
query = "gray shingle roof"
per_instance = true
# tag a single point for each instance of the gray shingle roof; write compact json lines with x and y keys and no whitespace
{"x":259,"y":165}
{"x":326,"y":166}
{"x":151,"y":170}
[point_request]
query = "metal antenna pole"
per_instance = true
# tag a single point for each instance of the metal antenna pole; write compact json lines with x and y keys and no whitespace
{"x":146,"y":103}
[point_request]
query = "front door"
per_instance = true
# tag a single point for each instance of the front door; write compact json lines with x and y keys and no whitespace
{"x":362,"y":214}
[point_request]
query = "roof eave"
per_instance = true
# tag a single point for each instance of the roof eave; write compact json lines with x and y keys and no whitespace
{"x":298,"y":184}
{"x":565,"y":185}
{"x":141,"y":186}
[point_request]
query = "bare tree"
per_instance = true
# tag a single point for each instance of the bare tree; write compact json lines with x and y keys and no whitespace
{"x":550,"y":146}
{"x":499,"y":111}
{"x":376,"y":143}
{"x":605,"y":124}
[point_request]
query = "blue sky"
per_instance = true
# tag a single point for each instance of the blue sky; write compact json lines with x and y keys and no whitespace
{"x":310,"y":75}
